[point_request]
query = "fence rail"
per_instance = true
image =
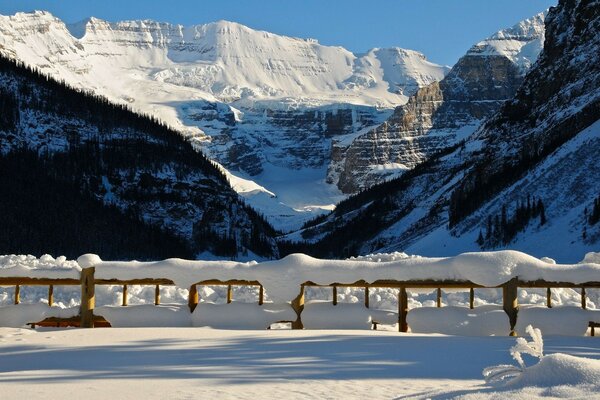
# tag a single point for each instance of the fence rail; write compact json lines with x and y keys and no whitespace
{"x":88,"y":284}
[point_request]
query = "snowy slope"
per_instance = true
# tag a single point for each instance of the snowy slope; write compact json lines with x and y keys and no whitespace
{"x":253,"y":100}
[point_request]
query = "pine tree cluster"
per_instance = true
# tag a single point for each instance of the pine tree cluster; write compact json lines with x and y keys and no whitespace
{"x":501,"y":229}
{"x":595,"y":214}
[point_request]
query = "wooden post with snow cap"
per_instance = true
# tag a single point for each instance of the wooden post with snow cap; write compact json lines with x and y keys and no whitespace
{"x":17,"y":294}
{"x":193,"y":297}
{"x":402,"y":310}
{"x":548,"y":297}
{"x":88,"y":297}
{"x":511,"y":303}
{"x":88,"y":263}
{"x":298,"y":306}
{"x":157,"y":295}
{"x":367,"y":296}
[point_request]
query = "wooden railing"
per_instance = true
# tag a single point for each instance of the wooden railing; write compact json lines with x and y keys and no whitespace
{"x":509,"y":292}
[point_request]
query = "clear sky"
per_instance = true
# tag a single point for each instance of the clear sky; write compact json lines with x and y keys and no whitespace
{"x":442,"y":29}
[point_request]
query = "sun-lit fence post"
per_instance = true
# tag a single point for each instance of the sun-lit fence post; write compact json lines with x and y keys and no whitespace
{"x":88,"y":298}
{"x":402,"y":310}
{"x":124,"y":303}
{"x":229,"y":294}
{"x":50,"y":295}
{"x":261,"y":295}
{"x":548,"y":297}
{"x":17,"y":294}
{"x":511,"y":303}
{"x":193,"y":297}
{"x":157,"y":295}
{"x":298,"y":306}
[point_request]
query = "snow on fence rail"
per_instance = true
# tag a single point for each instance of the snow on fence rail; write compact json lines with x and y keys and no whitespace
{"x":285,"y":280}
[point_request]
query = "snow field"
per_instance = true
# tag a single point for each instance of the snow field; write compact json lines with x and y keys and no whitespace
{"x":183,"y":363}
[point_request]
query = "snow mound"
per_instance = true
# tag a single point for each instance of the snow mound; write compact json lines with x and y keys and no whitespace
{"x":324,"y":315}
{"x":565,"y":320}
{"x":44,"y":267}
{"x":382,"y":257}
{"x":19,"y":315}
{"x":480,"y":321}
{"x":591,"y":258}
{"x":237,"y":315}
{"x":146,"y":315}
{"x":560,"y":369}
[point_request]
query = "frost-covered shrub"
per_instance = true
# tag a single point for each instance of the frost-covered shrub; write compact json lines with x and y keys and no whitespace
{"x":501,"y":374}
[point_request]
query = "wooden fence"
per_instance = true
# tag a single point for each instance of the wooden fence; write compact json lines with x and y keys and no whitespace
{"x":509,"y":293}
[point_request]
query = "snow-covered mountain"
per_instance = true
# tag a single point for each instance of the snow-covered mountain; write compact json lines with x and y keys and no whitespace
{"x":443,"y":113}
{"x":264,"y":106}
{"x":526,"y":179}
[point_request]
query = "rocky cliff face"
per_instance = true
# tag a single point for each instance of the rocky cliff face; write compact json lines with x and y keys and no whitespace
{"x":526,"y":179}
{"x":443,"y":113}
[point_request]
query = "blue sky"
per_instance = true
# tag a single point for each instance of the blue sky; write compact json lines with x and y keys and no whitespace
{"x":442,"y":29}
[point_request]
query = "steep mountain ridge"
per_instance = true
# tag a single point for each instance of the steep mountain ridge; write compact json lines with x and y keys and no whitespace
{"x":443,"y":113}
{"x":527,"y":179}
{"x":112,"y":180}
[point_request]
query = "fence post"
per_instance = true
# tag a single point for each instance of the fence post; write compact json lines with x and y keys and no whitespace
{"x":17,"y":294}
{"x":50,"y":295}
{"x":334,"y":295}
{"x":367,"y":296}
{"x":438,"y":298}
{"x":229,"y":294}
{"x":511,"y":303}
{"x":261,"y":295}
{"x":298,"y":306}
{"x":471,"y":298}
{"x":124,"y":303}
{"x":549,"y":297}
{"x":402,"y":310}
{"x":88,"y":297}
{"x":583,"y":299}
{"x":193,"y":298}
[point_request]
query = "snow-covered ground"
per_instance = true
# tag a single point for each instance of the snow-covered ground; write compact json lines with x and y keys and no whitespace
{"x":190,"y":363}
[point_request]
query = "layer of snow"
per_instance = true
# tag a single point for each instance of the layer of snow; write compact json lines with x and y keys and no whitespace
{"x":480,"y":321}
{"x":238,"y":315}
{"x":20,"y":314}
{"x":147,"y":315}
{"x":282,"y":278}
{"x":324,"y":315}
{"x":44,"y":267}
{"x":159,"y":363}
{"x":566,"y":320}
